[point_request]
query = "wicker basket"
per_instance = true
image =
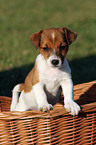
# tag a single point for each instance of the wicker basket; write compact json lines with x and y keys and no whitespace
{"x":54,"y":127}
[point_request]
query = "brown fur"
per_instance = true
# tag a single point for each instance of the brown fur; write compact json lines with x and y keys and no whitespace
{"x":31,"y":79}
{"x":53,"y":44}
{"x":47,"y":40}
{"x":70,"y":35}
{"x":21,"y":87}
{"x":35,"y":38}
{"x":44,"y":38}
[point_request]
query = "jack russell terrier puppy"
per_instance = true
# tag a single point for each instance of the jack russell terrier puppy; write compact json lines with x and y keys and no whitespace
{"x":50,"y":76}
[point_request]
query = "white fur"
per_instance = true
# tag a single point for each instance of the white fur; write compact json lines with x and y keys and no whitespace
{"x":14,"y":97}
{"x":48,"y":89}
{"x":52,"y":57}
{"x":53,"y":36}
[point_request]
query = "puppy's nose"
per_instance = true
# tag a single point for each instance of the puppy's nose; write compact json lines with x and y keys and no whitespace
{"x":55,"y":61}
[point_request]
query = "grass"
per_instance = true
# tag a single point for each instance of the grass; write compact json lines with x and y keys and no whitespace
{"x":20,"y":18}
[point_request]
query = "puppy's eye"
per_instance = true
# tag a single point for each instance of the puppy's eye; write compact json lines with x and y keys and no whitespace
{"x":62,"y":47}
{"x":45,"y":48}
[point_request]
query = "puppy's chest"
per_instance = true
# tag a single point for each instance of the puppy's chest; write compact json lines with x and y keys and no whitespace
{"x":51,"y":81}
{"x":51,"y":85}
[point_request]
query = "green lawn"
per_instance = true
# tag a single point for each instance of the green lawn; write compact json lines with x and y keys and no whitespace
{"x":20,"y":18}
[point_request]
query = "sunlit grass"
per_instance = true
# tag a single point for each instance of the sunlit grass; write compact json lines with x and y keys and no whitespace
{"x":20,"y":18}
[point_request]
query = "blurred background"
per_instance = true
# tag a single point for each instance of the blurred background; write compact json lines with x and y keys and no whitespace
{"x":20,"y":18}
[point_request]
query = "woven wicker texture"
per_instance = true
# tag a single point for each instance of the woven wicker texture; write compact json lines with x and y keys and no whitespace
{"x":54,"y":127}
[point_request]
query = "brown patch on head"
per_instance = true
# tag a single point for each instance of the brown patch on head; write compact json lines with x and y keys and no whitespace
{"x":49,"y":40}
{"x":54,"y":40}
{"x":31,"y":79}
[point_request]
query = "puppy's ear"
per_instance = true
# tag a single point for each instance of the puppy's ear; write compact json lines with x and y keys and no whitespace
{"x":70,"y":35}
{"x":35,"y":38}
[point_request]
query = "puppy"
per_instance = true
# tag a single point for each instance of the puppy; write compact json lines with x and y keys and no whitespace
{"x":50,"y":76}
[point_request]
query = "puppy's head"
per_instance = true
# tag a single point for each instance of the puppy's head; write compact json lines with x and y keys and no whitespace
{"x":54,"y":44}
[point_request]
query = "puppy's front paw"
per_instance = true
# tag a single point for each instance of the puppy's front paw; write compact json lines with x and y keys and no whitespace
{"x":72,"y":107}
{"x":46,"y":107}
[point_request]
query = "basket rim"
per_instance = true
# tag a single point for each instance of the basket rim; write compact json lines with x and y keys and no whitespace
{"x":57,"y":111}
{"x":79,"y":86}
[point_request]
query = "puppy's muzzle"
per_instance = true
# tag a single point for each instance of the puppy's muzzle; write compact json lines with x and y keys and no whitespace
{"x":55,"y":62}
